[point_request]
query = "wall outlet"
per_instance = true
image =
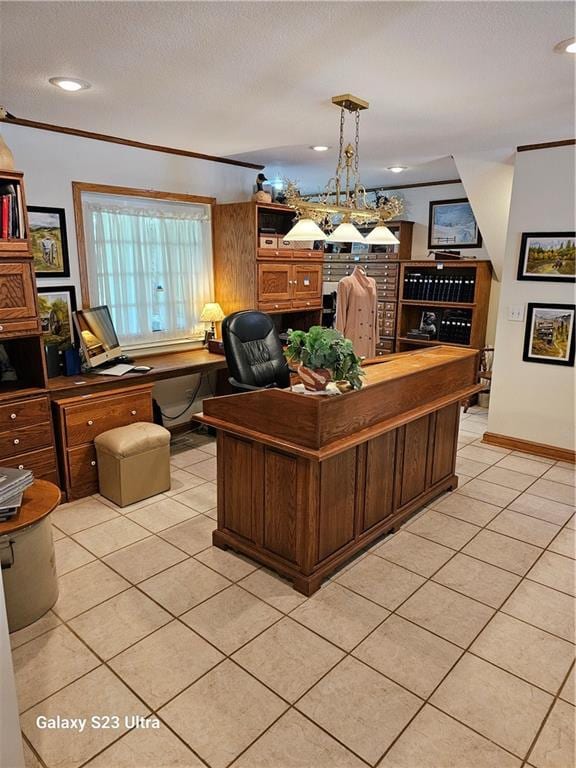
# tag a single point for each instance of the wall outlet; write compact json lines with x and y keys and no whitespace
{"x":516,"y":312}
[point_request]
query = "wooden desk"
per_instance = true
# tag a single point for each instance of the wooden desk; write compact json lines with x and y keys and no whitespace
{"x":304,"y":482}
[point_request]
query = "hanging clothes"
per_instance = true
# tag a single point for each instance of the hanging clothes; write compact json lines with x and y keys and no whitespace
{"x":357,"y":311}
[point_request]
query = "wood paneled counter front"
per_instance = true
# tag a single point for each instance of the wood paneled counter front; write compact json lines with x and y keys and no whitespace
{"x":304,"y":482}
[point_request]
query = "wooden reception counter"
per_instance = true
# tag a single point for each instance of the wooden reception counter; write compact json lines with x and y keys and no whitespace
{"x":304,"y":481}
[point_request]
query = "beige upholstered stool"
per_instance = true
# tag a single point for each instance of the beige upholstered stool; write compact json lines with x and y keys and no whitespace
{"x":133,"y":462}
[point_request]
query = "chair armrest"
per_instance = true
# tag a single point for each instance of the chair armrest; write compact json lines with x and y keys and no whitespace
{"x":239,"y":385}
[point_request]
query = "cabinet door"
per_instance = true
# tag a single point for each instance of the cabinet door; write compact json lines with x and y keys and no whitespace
{"x":274,"y":282}
{"x":17,"y":298}
{"x":306,"y":281}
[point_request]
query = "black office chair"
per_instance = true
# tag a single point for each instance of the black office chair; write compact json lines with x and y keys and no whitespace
{"x":253,"y":351}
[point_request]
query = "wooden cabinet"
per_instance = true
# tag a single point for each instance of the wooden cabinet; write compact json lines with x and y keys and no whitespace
{"x":80,"y":419}
{"x":17,"y":291}
{"x":26,"y":436}
{"x":290,"y":286}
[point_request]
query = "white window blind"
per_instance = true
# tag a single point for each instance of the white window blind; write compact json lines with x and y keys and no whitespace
{"x":150,"y":261}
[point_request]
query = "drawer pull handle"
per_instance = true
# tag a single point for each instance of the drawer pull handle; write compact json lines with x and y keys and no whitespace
{"x":133,"y":413}
{"x":12,"y":415}
{"x":89,"y":422}
{"x":20,"y":466}
{"x":92,"y":463}
{"x":16,"y":441}
{"x":1,"y":327}
{"x":275,"y":306}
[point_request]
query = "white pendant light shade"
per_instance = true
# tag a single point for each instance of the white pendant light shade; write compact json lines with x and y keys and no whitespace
{"x":346,"y":233}
{"x":381,"y":236}
{"x":304,"y":229}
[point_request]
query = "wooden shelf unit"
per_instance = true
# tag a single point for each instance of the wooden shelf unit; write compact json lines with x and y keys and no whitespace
{"x":421,"y":279}
{"x":283,"y":281}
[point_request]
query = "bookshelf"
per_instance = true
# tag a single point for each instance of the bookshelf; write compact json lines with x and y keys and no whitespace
{"x":13,"y":218}
{"x":447,"y":300}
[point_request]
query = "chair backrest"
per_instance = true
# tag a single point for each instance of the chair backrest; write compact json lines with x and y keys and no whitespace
{"x":253,"y":350}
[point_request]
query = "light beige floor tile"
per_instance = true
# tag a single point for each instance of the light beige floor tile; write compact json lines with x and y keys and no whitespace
{"x":145,"y":558}
{"x":490,"y":492}
{"x":385,"y":583}
{"x":463,"y":479}
{"x":77,"y":516}
{"x":477,"y":579}
{"x":211,"y":513}
{"x":528,"y":529}
{"x":44,"y":624}
{"x":507,"y":553}
{"x":414,"y":552}
{"x":443,"y":529}
{"x":295,"y":742}
{"x":223,"y":713}
{"x":543,"y":509}
{"x":157,"y":517}
{"x":555,"y":571}
{"x":205,"y":468}
{"x":498,"y":705}
{"x":360,"y":707}
{"x":497,"y":449}
{"x":30,"y":759}
{"x":546,"y":608}
{"x":57,"y":534}
{"x":523,"y":464}
{"x":209,"y":448}
{"x":561,"y":475}
{"x":99,"y":692}
{"x":532,"y":654}
{"x":467,"y":509}
{"x":469,"y":467}
{"x":199,"y":439}
{"x":48,"y":663}
{"x":564,"y":543}
{"x":70,"y":555}
{"x":180,"y":481}
{"x":119,"y":622}
{"x":339,"y":615}
{"x":571,"y":524}
{"x":165,"y":662}
{"x":85,"y":587}
{"x":548,"y":489}
{"x":231,"y":618}
{"x":228,"y":563}
{"x":150,"y":748}
{"x":108,"y":537}
{"x":201,"y":498}
{"x":272,"y":589}
{"x":465,"y":438}
{"x":446,"y":613}
{"x":434,"y":740}
{"x":568,"y":692}
{"x":507,"y":477}
{"x":482,"y":454}
{"x":555,"y":745}
{"x":474,"y":426}
{"x":192,"y":536}
{"x":408,"y":654}
{"x":533,"y":457}
{"x":129,"y":507}
{"x":187,"y":458}
{"x":183,"y":586}
{"x":288,"y":658}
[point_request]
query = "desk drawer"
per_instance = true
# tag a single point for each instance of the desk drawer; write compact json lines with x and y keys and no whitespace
{"x":310,"y":304}
{"x":82,"y":470}
{"x":87,"y":420}
{"x":19,"y":327}
{"x":25,"y":439}
{"x":41,"y":463}
{"x":24,"y":413}
{"x":274,"y":306}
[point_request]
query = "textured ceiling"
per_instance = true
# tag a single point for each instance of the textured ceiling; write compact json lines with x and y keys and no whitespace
{"x":254,"y":79}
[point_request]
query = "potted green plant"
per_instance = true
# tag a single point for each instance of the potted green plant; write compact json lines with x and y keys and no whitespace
{"x":323,"y":354}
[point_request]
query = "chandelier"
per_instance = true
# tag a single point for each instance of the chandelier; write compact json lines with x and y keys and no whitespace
{"x":335,"y":214}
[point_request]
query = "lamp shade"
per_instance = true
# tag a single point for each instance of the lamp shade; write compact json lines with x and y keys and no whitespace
{"x":346,"y":233}
{"x":212,"y":313}
{"x":381,"y":236}
{"x":305,"y":229}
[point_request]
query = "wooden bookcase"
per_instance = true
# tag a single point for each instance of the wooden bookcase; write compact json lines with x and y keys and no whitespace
{"x":457,"y":292}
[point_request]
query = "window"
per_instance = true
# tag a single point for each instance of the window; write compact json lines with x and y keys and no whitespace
{"x":150,"y":261}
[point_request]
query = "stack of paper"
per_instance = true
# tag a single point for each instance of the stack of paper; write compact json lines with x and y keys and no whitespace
{"x":13,"y":483}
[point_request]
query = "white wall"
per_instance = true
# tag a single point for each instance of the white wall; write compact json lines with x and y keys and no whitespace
{"x":534,"y":401}
{"x":52,"y":161}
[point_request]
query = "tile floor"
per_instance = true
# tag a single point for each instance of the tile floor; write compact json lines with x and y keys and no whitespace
{"x":449,"y":644}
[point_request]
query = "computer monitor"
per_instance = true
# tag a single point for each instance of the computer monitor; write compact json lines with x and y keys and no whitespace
{"x":97,"y":335}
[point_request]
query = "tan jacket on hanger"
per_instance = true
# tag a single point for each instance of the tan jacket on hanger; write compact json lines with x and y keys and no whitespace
{"x":357,"y":312}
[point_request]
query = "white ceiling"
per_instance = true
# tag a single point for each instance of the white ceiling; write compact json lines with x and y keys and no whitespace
{"x":254,"y":80}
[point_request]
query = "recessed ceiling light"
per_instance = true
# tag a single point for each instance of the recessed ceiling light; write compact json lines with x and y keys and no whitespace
{"x":396,"y":168}
{"x":320,"y":148}
{"x":69,"y":83}
{"x":566,"y":46}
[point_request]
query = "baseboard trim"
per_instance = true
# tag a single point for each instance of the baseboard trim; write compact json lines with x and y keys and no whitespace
{"x":527,"y":446}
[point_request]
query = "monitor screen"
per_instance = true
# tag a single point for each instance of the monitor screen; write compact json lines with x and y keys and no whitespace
{"x":97,"y":335}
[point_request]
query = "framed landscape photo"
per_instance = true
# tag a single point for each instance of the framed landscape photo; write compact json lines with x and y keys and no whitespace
{"x":48,"y":241}
{"x":452,"y":224}
{"x":56,"y":306}
{"x":547,"y":256}
{"x":549,"y":336}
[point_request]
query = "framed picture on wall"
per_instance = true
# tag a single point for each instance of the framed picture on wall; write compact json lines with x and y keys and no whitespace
{"x":549,"y":336}
{"x":451,"y":224}
{"x":547,"y":256}
{"x":48,"y":241}
{"x":56,"y":306}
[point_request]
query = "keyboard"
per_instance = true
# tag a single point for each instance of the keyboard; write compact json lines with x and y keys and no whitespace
{"x":115,"y":370}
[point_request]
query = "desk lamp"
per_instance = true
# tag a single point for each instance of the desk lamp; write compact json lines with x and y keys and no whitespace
{"x":211,"y":313}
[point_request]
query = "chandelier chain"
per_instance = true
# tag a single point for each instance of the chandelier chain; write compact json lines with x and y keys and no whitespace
{"x":357,"y":147}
